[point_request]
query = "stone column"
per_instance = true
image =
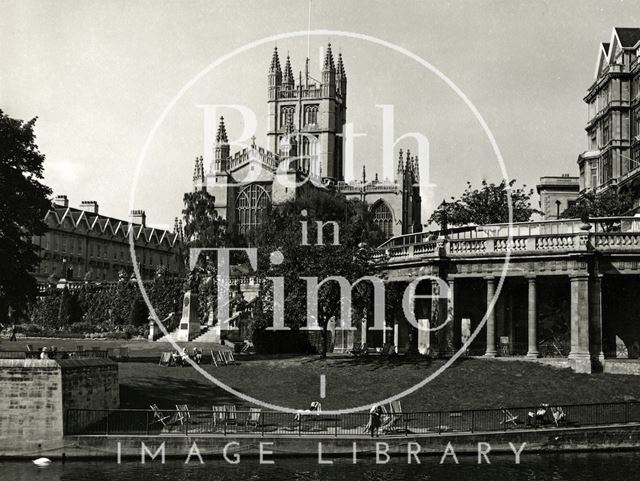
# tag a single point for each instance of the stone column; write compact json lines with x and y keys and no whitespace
{"x":532,"y":311}
{"x":595,"y":318}
{"x":580,"y":323}
{"x":442,"y":318}
{"x":491,"y":319}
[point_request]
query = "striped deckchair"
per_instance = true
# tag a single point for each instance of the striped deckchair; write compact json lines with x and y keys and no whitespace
{"x":219,"y":415}
{"x":165,"y":359}
{"x":254,"y":417}
{"x":231,"y":414}
{"x":222,"y":360}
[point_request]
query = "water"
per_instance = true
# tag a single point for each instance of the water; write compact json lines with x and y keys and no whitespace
{"x":615,"y":466}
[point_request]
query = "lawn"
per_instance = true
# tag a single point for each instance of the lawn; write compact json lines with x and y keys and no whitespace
{"x":295,"y":382}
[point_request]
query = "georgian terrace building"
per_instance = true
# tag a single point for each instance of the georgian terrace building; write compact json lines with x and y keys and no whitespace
{"x":84,"y":245}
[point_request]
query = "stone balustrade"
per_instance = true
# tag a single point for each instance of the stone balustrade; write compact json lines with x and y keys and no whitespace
{"x":622,"y":233}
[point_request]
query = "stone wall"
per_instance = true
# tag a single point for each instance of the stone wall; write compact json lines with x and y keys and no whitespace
{"x":35,"y":395}
{"x":89,"y":384}
{"x":30,"y":401}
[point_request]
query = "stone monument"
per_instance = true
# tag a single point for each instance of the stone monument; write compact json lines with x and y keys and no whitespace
{"x":189,"y":327}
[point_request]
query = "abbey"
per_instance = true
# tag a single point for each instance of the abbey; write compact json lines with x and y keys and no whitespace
{"x":305,"y":150}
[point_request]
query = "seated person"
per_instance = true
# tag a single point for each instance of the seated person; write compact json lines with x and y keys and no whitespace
{"x":184,"y":357}
{"x":197,"y":355}
{"x":175,"y":358}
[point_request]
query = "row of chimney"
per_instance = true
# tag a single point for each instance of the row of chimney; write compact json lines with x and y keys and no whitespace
{"x":91,"y":206}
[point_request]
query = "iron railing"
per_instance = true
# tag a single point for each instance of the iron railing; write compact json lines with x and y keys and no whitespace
{"x":231,"y":422}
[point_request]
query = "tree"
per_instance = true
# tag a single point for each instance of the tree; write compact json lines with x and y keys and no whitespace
{"x":487,"y":205}
{"x":280,"y":237}
{"x":607,"y":204}
{"x":23,"y":205}
{"x":202,"y":225}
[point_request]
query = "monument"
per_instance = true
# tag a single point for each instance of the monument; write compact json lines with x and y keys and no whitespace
{"x":189,"y":327}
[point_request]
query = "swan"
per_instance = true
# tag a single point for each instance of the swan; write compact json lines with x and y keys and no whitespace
{"x":42,"y":462}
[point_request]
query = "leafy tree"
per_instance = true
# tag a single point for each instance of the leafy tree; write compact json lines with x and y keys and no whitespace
{"x":607,"y":204}
{"x":487,"y":205}
{"x":202,"y":225}
{"x":282,"y":232}
{"x":23,"y":205}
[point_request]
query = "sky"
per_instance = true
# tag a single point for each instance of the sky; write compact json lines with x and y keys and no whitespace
{"x":99,"y":75}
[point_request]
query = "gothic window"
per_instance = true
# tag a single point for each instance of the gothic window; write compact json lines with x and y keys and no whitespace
{"x":251,"y":204}
{"x":311,"y":115}
{"x":309,"y":154}
{"x":286,"y":114}
{"x":383,"y":218}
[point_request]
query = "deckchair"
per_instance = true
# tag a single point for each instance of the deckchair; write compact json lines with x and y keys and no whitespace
{"x":158,"y":416}
{"x":228,"y":355}
{"x":165,"y":359}
{"x":220,"y":359}
{"x":356,"y":349}
{"x":231,"y":414}
{"x":558,"y":414}
{"x":254,"y":417}
{"x":214,"y":361}
{"x":394,"y":417}
{"x":508,"y":417}
{"x":218,"y":415}
{"x":388,"y":349}
{"x":182,"y":413}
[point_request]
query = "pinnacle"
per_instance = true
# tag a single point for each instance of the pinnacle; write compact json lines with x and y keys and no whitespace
{"x":275,"y":61}
{"x":221,"y":136}
{"x":328,"y":59}
{"x":288,"y":73}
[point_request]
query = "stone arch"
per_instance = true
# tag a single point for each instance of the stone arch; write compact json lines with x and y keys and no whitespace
{"x":382,"y":216}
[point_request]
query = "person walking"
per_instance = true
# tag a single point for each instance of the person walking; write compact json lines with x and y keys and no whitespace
{"x":375,"y":415}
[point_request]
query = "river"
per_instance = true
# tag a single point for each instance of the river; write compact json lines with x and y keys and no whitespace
{"x":613,"y":466}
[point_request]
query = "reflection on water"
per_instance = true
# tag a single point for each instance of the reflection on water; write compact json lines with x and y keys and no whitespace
{"x":545,"y":467}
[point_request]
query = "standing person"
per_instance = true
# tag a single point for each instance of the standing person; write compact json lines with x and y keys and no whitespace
{"x":374,"y":420}
{"x":14,"y":330}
